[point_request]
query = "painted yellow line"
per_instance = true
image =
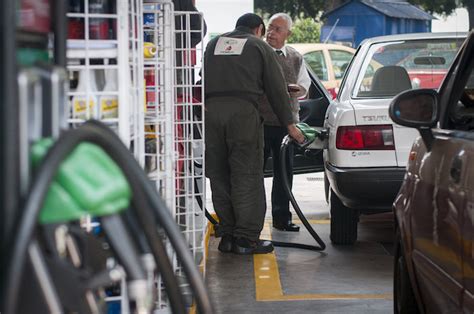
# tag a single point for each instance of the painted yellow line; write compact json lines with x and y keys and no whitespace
{"x":268,"y":285}
{"x":192,"y":310}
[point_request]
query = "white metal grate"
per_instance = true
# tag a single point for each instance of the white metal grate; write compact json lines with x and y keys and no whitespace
{"x":159,"y":133}
{"x":174,"y":149}
{"x":105,"y":70}
{"x":189,"y":128}
{"x":159,"y":76}
{"x":140,"y":78}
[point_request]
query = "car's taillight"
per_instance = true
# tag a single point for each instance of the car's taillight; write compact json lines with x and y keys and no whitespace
{"x":366,"y":137}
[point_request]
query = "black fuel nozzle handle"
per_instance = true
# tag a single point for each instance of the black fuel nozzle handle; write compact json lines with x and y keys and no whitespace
{"x":323,"y":134}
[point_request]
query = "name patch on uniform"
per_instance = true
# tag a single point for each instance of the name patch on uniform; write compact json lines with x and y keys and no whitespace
{"x":229,"y":46}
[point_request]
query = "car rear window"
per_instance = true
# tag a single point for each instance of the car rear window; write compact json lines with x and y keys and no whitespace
{"x":392,"y":67}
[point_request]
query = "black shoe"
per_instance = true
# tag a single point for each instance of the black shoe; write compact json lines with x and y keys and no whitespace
{"x":288,"y":226}
{"x":225,"y":246}
{"x":246,"y":246}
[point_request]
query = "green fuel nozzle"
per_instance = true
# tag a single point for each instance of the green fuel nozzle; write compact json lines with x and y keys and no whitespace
{"x":88,"y":182}
{"x":309,"y":133}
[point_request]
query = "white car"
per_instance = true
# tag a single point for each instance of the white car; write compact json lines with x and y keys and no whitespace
{"x":366,"y":152}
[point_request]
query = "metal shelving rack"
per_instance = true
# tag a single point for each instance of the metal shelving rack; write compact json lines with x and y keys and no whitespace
{"x":156,"y":112}
{"x":159,"y":77}
{"x":112,"y":89}
{"x":174,"y":149}
{"x":159,"y":152}
{"x":106,"y":65}
{"x":189,"y":128}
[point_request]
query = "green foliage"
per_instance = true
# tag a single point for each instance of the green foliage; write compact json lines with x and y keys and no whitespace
{"x":437,"y":6}
{"x":446,"y":7}
{"x":294,"y":8}
{"x":305,"y":30}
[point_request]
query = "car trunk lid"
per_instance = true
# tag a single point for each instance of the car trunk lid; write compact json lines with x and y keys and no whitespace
{"x":375,"y":112}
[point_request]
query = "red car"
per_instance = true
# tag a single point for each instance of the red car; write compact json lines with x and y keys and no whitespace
{"x":427,"y":68}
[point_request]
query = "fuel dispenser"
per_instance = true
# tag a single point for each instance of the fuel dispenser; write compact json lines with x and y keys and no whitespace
{"x":53,"y":178}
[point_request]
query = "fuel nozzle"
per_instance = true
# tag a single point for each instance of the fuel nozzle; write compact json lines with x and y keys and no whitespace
{"x":309,"y":133}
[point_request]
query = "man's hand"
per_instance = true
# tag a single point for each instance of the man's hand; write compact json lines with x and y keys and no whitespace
{"x":295,"y":133}
{"x":296,"y":90}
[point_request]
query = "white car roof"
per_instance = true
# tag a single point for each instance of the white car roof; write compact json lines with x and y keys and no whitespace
{"x":308,"y":47}
{"x":413,"y":36}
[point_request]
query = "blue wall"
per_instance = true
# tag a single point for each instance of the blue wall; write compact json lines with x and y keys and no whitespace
{"x":367,"y":22}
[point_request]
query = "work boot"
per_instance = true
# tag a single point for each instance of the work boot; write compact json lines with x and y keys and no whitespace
{"x":225,"y":246}
{"x":285,"y":226}
{"x":246,"y":246}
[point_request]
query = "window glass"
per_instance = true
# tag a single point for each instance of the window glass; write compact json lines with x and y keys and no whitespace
{"x":462,"y":114}
{"x":340,"y":60}
{"x":393,"y":67}
{"x":316,"y":62}
{"x":467,"y":97}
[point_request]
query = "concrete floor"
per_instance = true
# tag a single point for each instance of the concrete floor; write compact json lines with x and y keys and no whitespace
{"x":356,"y":279}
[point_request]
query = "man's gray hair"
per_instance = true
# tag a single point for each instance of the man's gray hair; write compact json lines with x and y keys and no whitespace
{"x":285,"y":16}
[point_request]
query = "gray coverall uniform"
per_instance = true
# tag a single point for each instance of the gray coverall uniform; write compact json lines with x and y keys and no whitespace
{"x":234,"y":129}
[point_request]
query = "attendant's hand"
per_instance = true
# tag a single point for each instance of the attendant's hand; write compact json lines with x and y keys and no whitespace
{"x":295,"y":133}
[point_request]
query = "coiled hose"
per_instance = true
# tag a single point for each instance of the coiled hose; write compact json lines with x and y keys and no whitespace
{"x":287,"y":140}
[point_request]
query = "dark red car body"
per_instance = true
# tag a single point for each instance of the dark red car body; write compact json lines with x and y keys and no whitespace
{"x":434,"y":210}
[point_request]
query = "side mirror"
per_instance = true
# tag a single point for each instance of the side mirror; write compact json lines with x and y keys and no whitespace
{"x":417,"y":109}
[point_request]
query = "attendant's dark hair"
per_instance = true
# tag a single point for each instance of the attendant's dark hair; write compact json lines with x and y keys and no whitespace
{"x":250,"y":20}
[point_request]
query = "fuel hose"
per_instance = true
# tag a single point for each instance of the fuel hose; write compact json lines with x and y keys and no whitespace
{"x":149,"y":208}
{"x":287,"y":140}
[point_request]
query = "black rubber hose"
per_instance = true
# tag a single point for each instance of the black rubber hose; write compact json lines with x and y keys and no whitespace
{"x":47,"y":170}
{"x":322,"y":246}
{"x":121,"y":242}
{"x":158,"y":250}
{"x":136,"y":176}
{"x":283,"y":151}
{"x":134,"y":228}
{"x":200,"y":203}
{"x":101,"y":135}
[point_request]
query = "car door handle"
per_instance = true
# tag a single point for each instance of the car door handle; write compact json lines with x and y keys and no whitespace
{"x":456,"y":169}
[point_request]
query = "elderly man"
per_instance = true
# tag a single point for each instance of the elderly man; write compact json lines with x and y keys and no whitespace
{"x":298,"y":82}
{"x":240,"y":68}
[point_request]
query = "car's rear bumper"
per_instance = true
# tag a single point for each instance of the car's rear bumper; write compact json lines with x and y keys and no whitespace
{"x":367,"y":189}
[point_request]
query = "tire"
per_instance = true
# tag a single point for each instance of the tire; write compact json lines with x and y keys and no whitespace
{"x":344,"y":222}
{"x":404,"y":301}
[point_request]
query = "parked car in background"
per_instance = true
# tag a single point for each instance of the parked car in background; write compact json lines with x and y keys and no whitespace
{"x":434,"y":210}
{"x":327,"y":61}
{"x":367,"y":154}
{"x":428,"y":72}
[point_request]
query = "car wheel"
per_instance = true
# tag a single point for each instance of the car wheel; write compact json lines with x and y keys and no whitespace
{"x":404,"y":301}
{"x":344,"y":222}
{"x":326,"y":187}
